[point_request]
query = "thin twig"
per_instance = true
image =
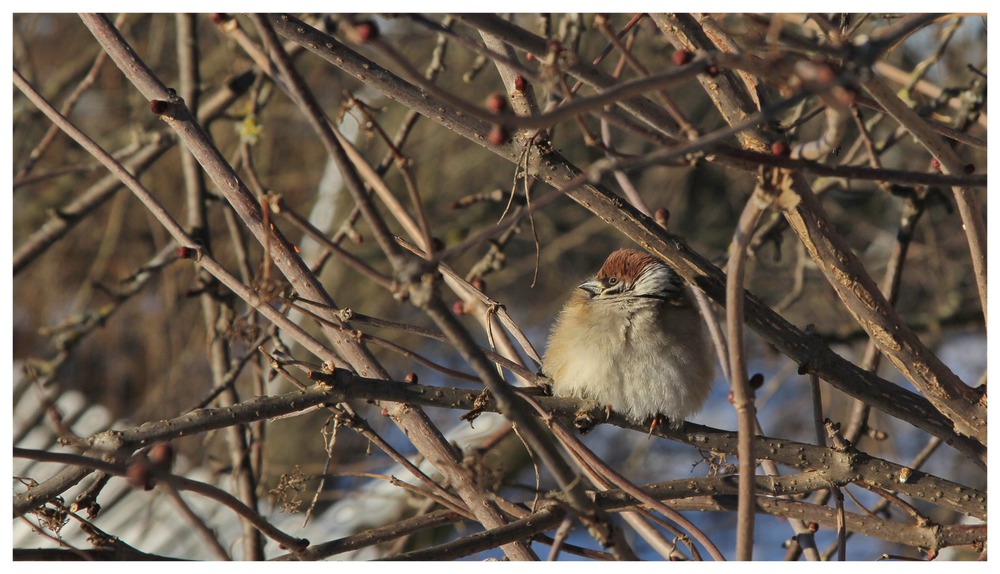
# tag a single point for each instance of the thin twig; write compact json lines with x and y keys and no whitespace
{"x":742,"y":397}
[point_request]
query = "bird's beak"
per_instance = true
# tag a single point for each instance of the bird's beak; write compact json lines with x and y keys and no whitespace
{"x":592,"y":287}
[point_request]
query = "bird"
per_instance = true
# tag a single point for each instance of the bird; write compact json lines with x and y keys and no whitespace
{"x":631,"y":339}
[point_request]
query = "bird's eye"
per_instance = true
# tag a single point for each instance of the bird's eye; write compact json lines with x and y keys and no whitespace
{"x":613,"y":281}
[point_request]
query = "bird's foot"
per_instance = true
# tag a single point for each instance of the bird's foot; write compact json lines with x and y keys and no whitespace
{"x":658,"y":421}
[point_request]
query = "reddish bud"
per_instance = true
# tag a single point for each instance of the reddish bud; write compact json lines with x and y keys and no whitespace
{"x":520,"y":84}
{"x":825,"y":74}
{"x":970,"y":168}
{"x":220,"y":18}
{"x":936,"y":164}
{"x":458,"y":308}
{"x":366,"y":31}
{"x":712,"y":70}
{"x":140,"y":474}
{"x":498,"y":135}
{"x":529,"y":57}
{"x":844,"y":96}
{"x":158,"y":107}
{"x":480,"y":284}
{"x":187,"y":253}
{"x":729,"y":397}
{"x":410,"y":378}
{"x":780,"y":148}
{"x":662,"y":216}
{"x":682,"y":57}
{"x":162,"y":455}
{"x":496,"y":103}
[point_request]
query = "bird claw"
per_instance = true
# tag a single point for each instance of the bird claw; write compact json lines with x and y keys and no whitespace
{"x":658,"y":420}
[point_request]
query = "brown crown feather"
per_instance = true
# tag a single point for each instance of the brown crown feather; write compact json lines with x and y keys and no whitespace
{"x":625,"y":264}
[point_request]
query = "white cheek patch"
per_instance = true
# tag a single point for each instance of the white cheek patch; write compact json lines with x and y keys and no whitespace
{"x":656,"y":279}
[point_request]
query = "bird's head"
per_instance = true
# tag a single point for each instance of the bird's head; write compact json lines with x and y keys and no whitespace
{"x":630,"y":273}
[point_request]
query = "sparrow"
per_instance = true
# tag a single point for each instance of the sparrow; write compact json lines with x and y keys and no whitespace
{"x":632,"y":339}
